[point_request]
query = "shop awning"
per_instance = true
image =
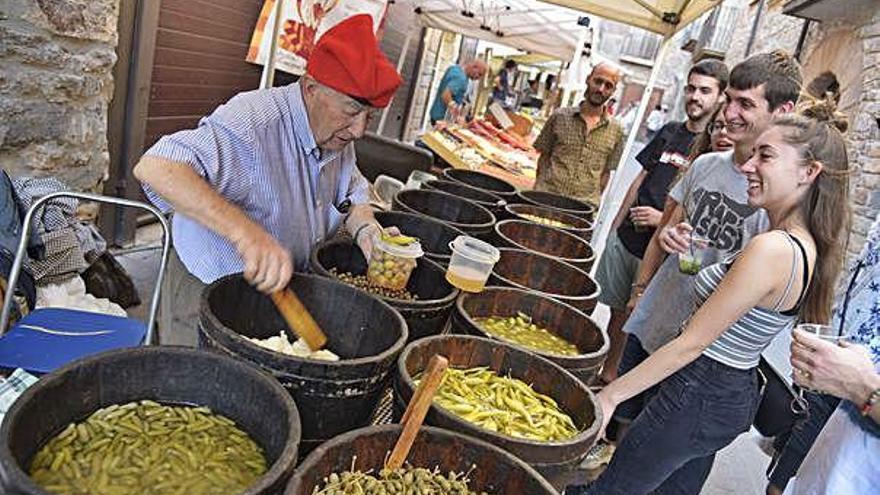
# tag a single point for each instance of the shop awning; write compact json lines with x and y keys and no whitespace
{"x":528,"y":25}
{"x":664,"y":17}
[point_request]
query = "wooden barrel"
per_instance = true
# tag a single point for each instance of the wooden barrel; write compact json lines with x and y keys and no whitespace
{"x":558,"y":202}
{"x":547,"y":276}
{"x":489,"y":468}
{"x":337,"y":396}
{"x":434,"y":235}
{"x":560,"y":319}
{"x":556,"y":461}
{"x":460,"y":213}
{"x":490,"y":201}
{"x":425,"y":316}
{"x":171,"y":375}
{"x":557,"y":243}
{"x":580,"y":227}
{"x":486,"y":182}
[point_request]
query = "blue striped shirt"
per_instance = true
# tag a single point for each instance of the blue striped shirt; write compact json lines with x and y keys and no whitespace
{"x":258,"y":151}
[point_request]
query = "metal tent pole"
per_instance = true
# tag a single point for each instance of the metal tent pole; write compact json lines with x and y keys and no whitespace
{"x":400,"y":61}
{"x":268,"y":77}
{"x":617,"y":187}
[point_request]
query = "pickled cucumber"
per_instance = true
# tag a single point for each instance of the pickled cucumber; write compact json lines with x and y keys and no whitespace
{"x":520,"y":330}
{"x":149,"y":448}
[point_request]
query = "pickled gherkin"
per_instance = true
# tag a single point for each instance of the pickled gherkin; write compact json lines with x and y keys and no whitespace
{"x":404,"y":481}
{"x":546,"y":221}
{"x":503,"y":404}
{"x":149,"y":448}
{"x":520,"y":330}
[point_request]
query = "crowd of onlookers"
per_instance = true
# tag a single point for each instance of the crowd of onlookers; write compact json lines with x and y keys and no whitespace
{"x":754,"y":187}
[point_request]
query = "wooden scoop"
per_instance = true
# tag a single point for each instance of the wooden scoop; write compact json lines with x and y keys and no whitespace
{"x":298,"y":319}
{"x":416,"y":410}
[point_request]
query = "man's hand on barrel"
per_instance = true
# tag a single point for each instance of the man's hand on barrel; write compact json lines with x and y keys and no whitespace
{"x":267,"y":265}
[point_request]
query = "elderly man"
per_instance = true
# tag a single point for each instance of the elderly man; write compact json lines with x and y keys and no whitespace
{"x":268,"y":175}
{"x":453,"y":87}
{"x":580,"y":146}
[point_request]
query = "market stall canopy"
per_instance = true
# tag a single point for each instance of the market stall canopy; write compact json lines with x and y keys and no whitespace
{"x":529,"y":25}
{"x":664,"y":17}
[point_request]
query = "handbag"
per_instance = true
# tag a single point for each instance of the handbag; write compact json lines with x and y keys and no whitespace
{"x":775,"y":412}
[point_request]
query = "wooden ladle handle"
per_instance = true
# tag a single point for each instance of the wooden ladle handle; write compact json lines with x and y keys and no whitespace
{"x":416,"y":410}
{"x":299,"y":319}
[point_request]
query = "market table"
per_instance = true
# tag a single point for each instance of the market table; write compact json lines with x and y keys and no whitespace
{"x":480,"y":146}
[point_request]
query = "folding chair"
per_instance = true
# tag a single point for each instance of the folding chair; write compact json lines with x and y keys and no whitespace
{"x":48,"y":338}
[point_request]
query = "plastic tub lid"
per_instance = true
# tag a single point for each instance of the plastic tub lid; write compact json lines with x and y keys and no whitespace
{"x":413,"y":250}
{"x":475,"y":249}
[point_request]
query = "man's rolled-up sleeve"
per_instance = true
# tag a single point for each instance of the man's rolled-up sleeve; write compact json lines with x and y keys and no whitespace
{"x":219,"y":153}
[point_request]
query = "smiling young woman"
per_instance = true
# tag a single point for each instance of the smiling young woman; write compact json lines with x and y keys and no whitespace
{"x":708,"y":387}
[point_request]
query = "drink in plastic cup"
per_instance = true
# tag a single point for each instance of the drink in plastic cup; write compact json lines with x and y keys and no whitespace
{"x":690,"y":262}
{"x":824,"y":332}
{"x":471,"y":263}
{"x":392,"y":264}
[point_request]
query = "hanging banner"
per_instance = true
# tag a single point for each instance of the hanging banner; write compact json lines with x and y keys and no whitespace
{"x":302,"y":24}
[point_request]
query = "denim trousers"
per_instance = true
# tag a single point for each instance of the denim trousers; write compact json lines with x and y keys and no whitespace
{"x":670,"y":447}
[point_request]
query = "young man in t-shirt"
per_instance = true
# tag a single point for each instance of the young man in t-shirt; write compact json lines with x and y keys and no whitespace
{"x":640,"y":212}
{"x":709,"y":201}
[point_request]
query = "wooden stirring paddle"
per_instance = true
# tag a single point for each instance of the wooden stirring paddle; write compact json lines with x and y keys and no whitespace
{"x":299,"y":319}
{"x":416,"y":410}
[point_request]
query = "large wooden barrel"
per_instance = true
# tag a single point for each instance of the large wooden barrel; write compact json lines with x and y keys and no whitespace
{"x":556,"y":461}
{"x":560,"y":319}
{"x":363,"y":330}
{"x":425,"y":316}
{"x":460,"y":213}
{"x":547,"y":276}
{"x":558,"y":202}
{"x":171,"y":375}
{"x":489,"y":468}
{"x":553,"y":242}
{"x":579,"y":226}
{"x":490,"y":201}
{"x":486,"y":182}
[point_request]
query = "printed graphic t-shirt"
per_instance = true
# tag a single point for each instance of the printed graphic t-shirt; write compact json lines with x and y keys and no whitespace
{"x":714,"y":195}
{"x":662,"y":159}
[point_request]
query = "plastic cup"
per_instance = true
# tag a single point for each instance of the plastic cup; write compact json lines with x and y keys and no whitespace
{"x":386,"y":187}
{"x":417,"y":178}
{"x":824,"y":332}
{"x":691,"y":262}
{"x":391,"y":265}
{"x":471,"y":263}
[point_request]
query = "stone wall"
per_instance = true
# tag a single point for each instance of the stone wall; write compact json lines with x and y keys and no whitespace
{"x":56,"y":58}
{"x":776,"y":30}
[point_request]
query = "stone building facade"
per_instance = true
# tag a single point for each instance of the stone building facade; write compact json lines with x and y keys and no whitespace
{"x":851,"y":49}
{"x":56,"y":62}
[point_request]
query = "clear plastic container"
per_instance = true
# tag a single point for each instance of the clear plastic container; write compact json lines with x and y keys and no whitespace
{"x":392,"y":264}
{"x":471,"y":263}
{"x":386,"y":187}
{"x":417,"y":178}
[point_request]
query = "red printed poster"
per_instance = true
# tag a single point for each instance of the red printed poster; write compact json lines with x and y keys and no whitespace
{"x":302,"y":24}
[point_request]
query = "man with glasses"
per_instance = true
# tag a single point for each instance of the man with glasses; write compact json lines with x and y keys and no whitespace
{"x":662,"y":159}
{"x":268,"y":175}
{"x":580,"y":146}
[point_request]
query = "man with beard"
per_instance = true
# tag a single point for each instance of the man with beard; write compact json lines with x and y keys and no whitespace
{"x":662,"y":160}
{"x":580,"y":146}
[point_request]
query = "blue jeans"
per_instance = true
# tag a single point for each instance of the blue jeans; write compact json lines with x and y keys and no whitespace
{"x":633,"y":355}
{"x":671,"y":445}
